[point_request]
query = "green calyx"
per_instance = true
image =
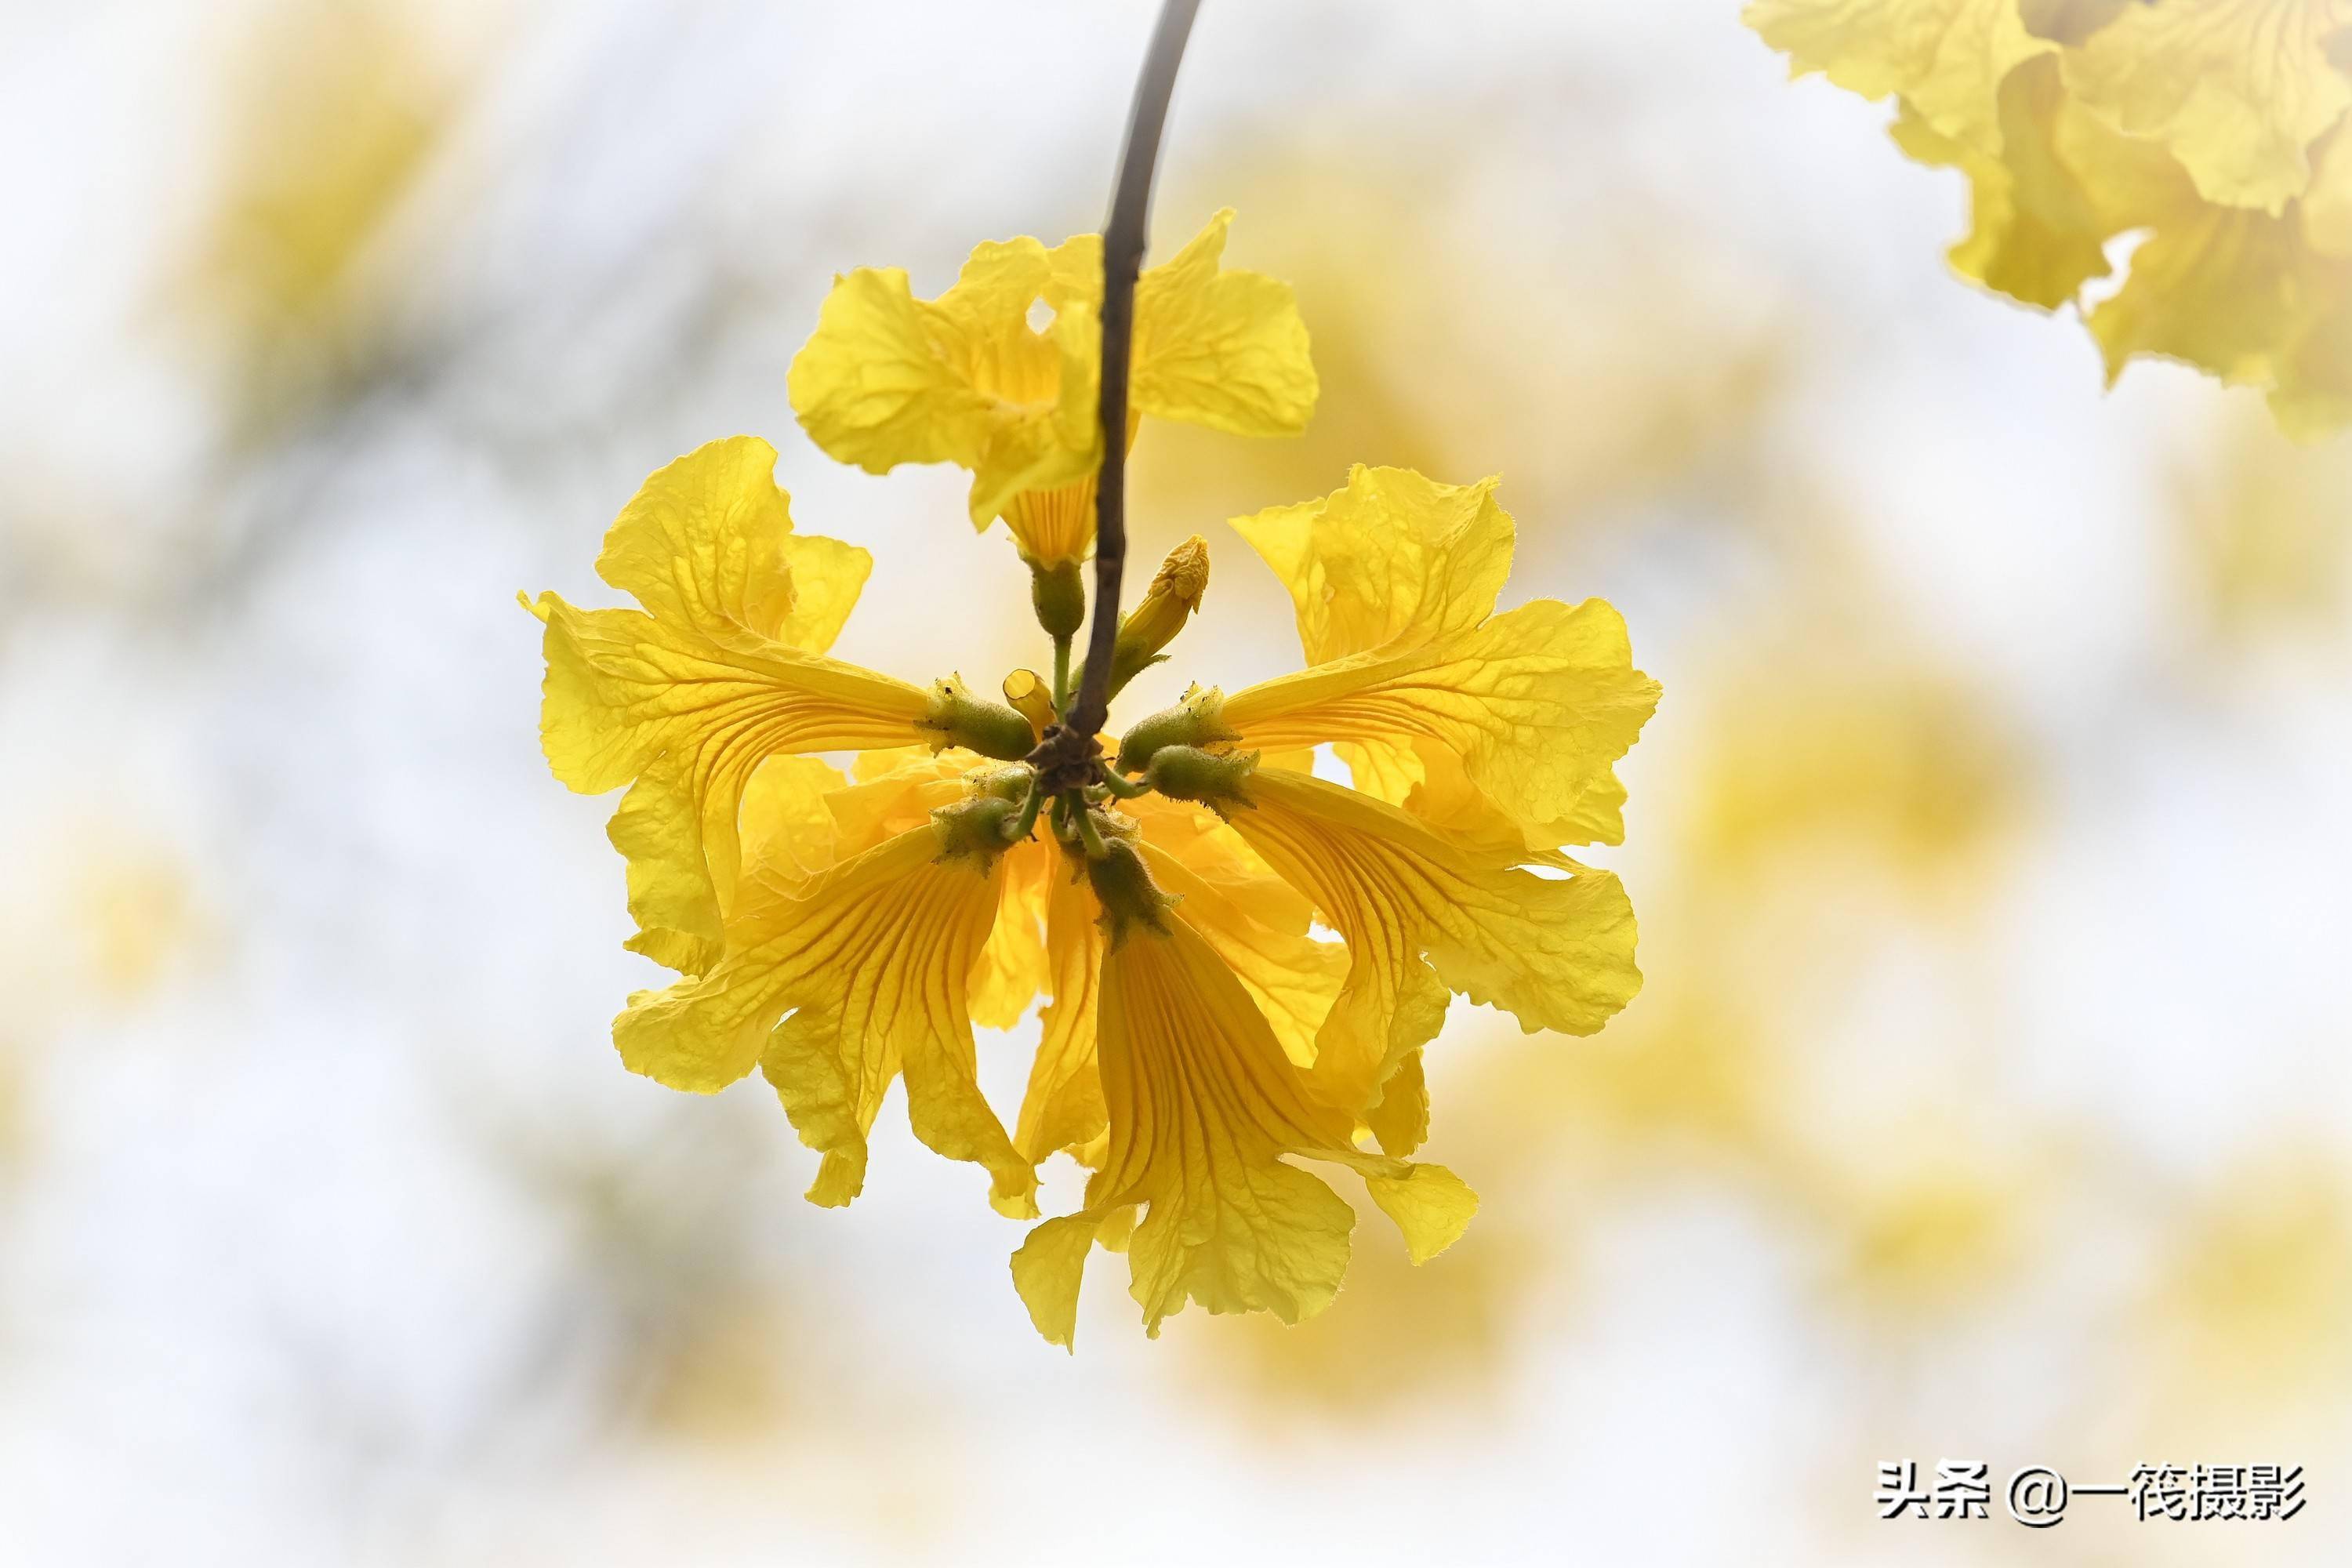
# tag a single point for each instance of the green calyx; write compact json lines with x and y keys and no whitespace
{"x":1058,"y":595}
{"x":1129,"y":898}
{"x":1218,"y":780}
{"x":957,"y":718}
{"x":1198,"y":721}
{"x":977,"y":828}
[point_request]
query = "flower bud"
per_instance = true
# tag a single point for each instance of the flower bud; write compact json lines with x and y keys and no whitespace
{"x":1217,"y":782}
{"x":1025,"y":689}
{"x":1197,"y":721}
{"x":1175,"y":592}
{"x":1124,"y":888}
{"x":959,"y":719}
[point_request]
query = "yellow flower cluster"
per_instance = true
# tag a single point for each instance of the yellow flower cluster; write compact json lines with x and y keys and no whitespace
{"x":2211,"y":132}
{"x":842,"y":932}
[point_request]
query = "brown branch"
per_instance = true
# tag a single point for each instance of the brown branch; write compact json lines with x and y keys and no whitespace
{"x":1122,"y":254}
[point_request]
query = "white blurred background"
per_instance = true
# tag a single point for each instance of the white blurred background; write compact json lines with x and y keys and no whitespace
{"x":1988,"y":1100}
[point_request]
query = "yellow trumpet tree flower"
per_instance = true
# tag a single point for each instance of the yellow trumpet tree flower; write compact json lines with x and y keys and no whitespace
{"x":838,"y":932}
{"x":2213,"y":130}
{"x":969,"y":379}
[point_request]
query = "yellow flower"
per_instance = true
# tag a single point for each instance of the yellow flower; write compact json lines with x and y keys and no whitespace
{"x":2213,"y":130}
{"x":723,"y":669}
{"x":967,"y":378}
{"x":842,"y":932}
{"x":1944,"y":58}
{"x":1491,"y":723}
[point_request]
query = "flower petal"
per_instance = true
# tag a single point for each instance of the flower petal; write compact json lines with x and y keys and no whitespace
{"x":1046,"y":1269}
{"x":1013,"y":966}
{"x":879,"y":383}
{"x":1063,"y":1106}
{"x":828,"y":575}
{"x":785,"y":824}
{"x":1538,"y":704}
{"x":867,"y":959}
{"x":1556,"y":953}
{"x":625,"y":689}
{"x":2037,"y":235}
{"x":1947,"y":57}
{"x":707,"y":542}
{"x":1216,"y":854}
{"x":1429,"y":780}
{"x":889,"y":379}
{"x":694,"y":692}
{"x":2223,"y":288}
{"x":1203,"y":1107}
{"x":1292,"y":978}
{"x":1391,"y":560}
{"x":2236,"y":89}
{"x":1394,"y":579}
{"x":1224,"y":349}
{"x":1432,"y":1207}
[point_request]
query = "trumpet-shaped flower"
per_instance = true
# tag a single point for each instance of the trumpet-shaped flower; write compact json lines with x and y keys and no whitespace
{"x":2213,"y":132}
{"x":841,"y":933}
{"x":967,"y":378}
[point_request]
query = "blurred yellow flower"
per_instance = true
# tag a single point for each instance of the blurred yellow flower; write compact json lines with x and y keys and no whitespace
{"x":1894,"y":765}
{"x":967,"y":378}
{"x":2209,"y":132}
{"x":1928,"y":1236}
{"x":2254,"y":1298}
{"x":842,"y":932}
{"x":342,"y":109}
{"x":2266,"y":537}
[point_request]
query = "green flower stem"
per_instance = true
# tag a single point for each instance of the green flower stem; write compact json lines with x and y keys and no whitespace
{"x":1089,"y":833}
{"x":1119,"y":784}
{"x":1025,"y":823}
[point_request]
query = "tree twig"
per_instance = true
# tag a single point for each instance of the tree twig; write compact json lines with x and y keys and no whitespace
{"x":1122,"y":255}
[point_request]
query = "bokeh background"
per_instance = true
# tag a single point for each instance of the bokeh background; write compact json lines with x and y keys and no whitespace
{"x":1988,"y":1098}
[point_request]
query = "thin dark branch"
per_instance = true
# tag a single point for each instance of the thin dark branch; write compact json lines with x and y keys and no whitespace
{"x":1122,"y":254}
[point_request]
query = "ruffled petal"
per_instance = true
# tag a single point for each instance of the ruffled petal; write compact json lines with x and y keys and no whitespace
{"x":1063,"y":1106}
{"x":1538,"y":704}
{"x":965,"y":379}
{"x":1556,"y":952}
{"x":968,"y":379}
{"x":1947,"y":57}
{"x":1392,"y":559}
{"x":827,"y":578}
{"x":1224,"y":349}
{"x":835,"y":987}
{"x":1393,"y":579}
{"x":1213,"y":852}
{"x":625,"y":691}
{"x":1203,"y":1107}
{"x":694,"y":692}
{"x":1292,"y":978}
{"x":879,"y":383}
{"x":2237,"y":90}
{"x":1429,"y":780}
{"x":2036,"y":234}
{"x":1013,"y":966}
{"x":785,"y":825}
{"x":2224,"y":288}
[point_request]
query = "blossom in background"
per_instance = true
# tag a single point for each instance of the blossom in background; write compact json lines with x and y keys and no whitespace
{"x":341,"y":114}
{"x":2210,"y":133}
{"x":839,"y":931}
